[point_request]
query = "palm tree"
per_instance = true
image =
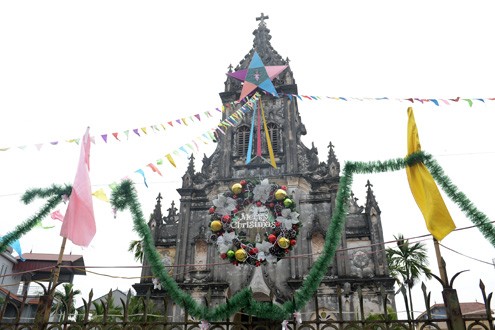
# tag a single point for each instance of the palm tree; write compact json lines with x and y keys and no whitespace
{"x":64,"y":301}
{"x":137,"y":307}
{"x":136,"y":246}
{"x":114,"y":313}
{"x":407,"y":263}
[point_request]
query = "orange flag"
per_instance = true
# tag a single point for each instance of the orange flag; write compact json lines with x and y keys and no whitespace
{"x":424,"y":189}
{"x":79,"y":221}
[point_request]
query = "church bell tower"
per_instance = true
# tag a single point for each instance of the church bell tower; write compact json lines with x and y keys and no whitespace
{"x":260,"y":152}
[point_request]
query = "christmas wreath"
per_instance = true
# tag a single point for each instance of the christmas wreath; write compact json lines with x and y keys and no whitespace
{"x":254,"y":223}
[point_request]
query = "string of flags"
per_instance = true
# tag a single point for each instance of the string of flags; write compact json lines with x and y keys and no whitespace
{"x":236,"y":116}
{"x":435,"y":101}
{"x":126,"y":134}
{"x":230,"y":121}
{"x":185,"y":150}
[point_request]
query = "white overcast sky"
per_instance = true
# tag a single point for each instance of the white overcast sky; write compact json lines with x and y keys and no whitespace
{"x":119,"y":65}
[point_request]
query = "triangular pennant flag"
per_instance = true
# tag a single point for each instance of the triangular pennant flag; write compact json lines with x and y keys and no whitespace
{"x":135,"y":130}
{"x":16,"y":246}
{"x":159,"y":161}
{"x":144,"y":130}
{"x":154,"y":168}
{"x":183,"y":149}
{"x":54,"y":143}
{"x":178,"y":121}
{"x":126,"y":132}
{"x":196,"y":145}
{"x":100,"y":194}
{"x":171,"y":123}
{"x":140,"y":171}
{"x":38,"y":146}
{"x":104,"y":137}
{"x":184,"y":121}
{"x":470,"y":102}
{"x":56,"y":215}
{"x":198,"y":116}
{"x":171,"y":160}
{"x":116,"y":135}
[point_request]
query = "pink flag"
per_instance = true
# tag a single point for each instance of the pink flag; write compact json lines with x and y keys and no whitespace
{"x":79,"y":221}
{"x":56,"y":215}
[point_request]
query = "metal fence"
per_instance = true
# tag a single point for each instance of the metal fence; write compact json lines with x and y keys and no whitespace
{"x":16,"y":314}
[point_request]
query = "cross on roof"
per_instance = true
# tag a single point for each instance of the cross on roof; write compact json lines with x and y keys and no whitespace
{"x":262,"y":18}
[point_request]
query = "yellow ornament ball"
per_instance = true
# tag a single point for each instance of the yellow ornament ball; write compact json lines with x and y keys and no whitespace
{"x":236,"y":188}
{"x":241,"y":255}
{"x":280,"y":194}
{"x":283,"y":242}
{"x":215,"y":225}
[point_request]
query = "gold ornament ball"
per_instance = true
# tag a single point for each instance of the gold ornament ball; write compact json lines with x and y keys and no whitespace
{"x":241,"y":255}
{"x":283,"y":242}
{"x":236,"y":188}
{"x":280,"y":194}
{"x":216,"y":225}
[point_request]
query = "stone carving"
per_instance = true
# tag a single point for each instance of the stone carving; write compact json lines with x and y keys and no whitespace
{"x":361,"y":265}
{"x":353,"y":207}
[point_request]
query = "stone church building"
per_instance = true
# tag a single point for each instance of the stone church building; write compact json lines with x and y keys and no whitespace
{"x":185,"y":240}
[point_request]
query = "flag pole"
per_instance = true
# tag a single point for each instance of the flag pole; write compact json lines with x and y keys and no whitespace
{"x":53,"y":283}
{"x":441,"y":263}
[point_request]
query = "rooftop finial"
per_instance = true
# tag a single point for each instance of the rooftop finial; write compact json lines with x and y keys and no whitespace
{"x":262,"y":18}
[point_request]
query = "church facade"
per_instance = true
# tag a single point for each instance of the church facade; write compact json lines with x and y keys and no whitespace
{"x":270,"y":151}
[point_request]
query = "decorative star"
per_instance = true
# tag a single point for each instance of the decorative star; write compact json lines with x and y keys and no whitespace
{"x":257,"y":75}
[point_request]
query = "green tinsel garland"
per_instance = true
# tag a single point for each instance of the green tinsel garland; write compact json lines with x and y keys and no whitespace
{"x":54,"y":195}
{"x":125,"y":196}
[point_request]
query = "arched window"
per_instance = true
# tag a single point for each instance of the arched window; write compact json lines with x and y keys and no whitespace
{"x":242,"y":141}
{"x":274,"y":137}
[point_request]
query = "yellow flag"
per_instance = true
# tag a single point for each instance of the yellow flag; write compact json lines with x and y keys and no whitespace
{"x":170,"y":159}
{"x":424,"y":189}
{"x":100,"y":194}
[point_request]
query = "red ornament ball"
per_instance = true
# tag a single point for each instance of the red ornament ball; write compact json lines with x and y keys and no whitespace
{"x":293,"y":242}
{"x":258,"y":203}
{"x":211,"y":210}
{"x":284,"y":188}
{"x":223,"y":255}
{"x":253,"y":251}
{"x":272,"y":205}
{"x":272,"y":238}
{"x":243,"y":182}
{"x":226,"y":218}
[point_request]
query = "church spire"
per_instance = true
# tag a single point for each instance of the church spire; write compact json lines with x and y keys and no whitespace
{"x":333,"y":163}
{"x":370,"y":199}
